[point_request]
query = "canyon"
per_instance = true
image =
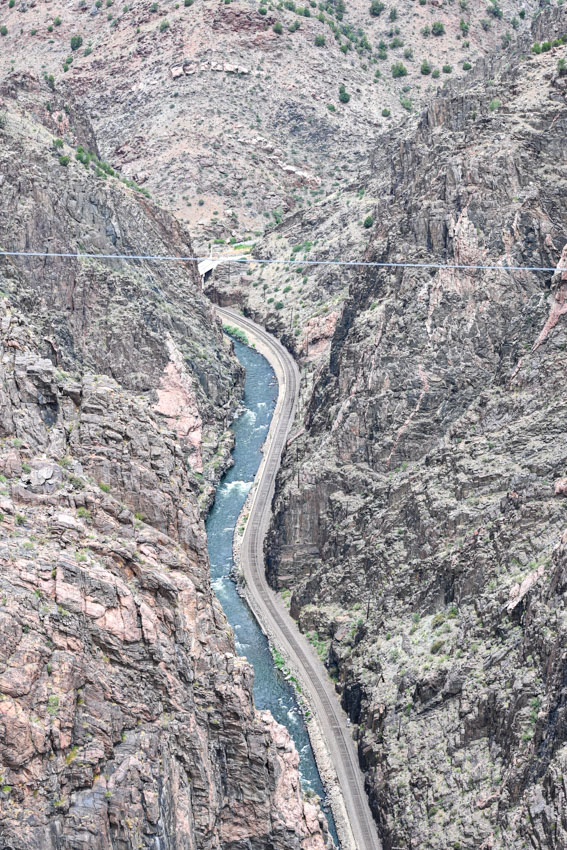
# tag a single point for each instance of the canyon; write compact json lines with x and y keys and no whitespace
{"x":419,"y":530}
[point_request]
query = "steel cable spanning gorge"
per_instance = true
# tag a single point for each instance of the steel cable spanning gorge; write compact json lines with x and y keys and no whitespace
{"x":357,"y":830}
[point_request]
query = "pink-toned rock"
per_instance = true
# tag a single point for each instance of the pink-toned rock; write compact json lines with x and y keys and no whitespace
{"x":518,"y":591}
{"x":177,"y":402}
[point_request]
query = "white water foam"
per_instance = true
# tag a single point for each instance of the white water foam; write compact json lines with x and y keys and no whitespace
{"x":240,"y":486}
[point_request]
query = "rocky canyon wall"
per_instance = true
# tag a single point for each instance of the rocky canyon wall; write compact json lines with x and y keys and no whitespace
{"x":126,"y":717}
{"x":420,"y":523}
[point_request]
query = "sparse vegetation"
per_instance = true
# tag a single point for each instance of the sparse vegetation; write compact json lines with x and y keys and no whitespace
{"x":399,"y":70}
{"x":376,"y":8}
{"x":238,"y":334}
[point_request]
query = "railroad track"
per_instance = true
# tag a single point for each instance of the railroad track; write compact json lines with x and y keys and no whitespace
{"x":269,"y":610}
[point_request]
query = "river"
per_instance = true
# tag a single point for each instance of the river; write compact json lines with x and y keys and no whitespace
{"x":271,"y":690}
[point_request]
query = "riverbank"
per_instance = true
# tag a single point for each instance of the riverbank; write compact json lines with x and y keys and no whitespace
{"x":321,"y":752}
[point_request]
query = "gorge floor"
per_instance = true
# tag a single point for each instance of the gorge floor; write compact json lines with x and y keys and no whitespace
{"x":271,"y":690}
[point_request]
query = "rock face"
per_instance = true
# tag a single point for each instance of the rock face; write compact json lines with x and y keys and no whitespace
{"x":420,"y":519}
{"x":126,"y":718}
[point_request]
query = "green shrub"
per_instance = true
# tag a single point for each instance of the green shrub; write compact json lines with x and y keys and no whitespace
{"x":485,"y":24}
{"x":393,"y":14}
{"x":368,"y":221}
{"x":11,"y":4}
{"x":344,"y":96}
{"x":3,"y":30}
{"x":376,"y":8}
{"x":58,"y":143}
{"x":435,"y":73}
{"x":279,"y":305}
{"x":426,"y":31}
{"x":494,"y":105}
{"x":64,"y":160}
{"x":506,"y":39}
{"x":57,"y":22}
{"x":263,"y":11}
{"x":164,"y":26}
{"x":464,"y":26}
{"x":76,"y":42}
{"x":153,"y":7}
{"x":277,"y":28}
{"x":399,"y":70}
{"x":447,"y":69}
{"x":386,"y":112}
{"x":425,"y":67}
{"x":231,"y":330}
{"x":319,"y":40}
{"x":545,"y":46}
{"x":294,"y":26}
{"x":561,"y":67}
{"x":494,"y":9}
{"x":467,"y":66}
{"x":406,"y":103}
{"x":438,"y":28}
{"x":190,"y":3}
{"x":331,"y":107}
{"x":104,"y":487}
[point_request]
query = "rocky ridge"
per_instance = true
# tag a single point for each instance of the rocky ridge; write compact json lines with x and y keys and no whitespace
{"x":230,"y":123}
{"x":126,"y":717}
{"x":420,"y":532}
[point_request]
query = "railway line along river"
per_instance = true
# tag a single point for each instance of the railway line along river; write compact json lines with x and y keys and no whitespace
{"x":271,"y":690}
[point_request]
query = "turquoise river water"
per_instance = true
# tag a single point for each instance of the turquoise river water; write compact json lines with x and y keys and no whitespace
{"x":271,"y":690}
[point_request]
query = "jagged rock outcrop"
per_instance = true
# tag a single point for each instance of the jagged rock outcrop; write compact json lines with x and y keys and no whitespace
{"x":126,"y":717}
{"x":420,"y":520}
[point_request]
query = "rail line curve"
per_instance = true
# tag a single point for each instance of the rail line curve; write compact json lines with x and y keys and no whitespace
{"x":360,"y":831}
